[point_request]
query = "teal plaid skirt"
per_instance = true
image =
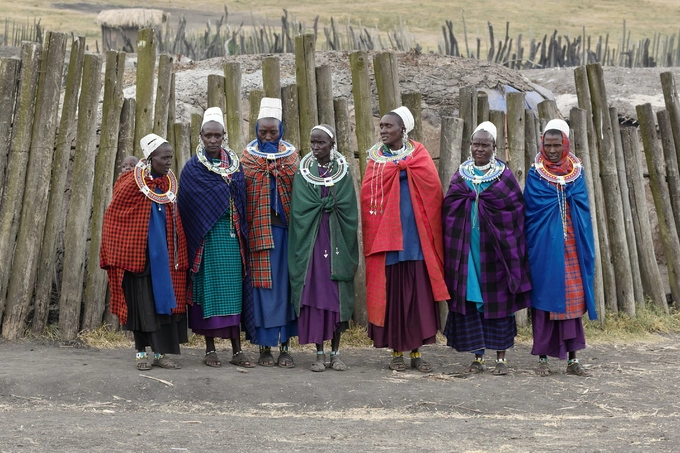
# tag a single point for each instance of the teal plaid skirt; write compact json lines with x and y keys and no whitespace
{"x":218,"y":285}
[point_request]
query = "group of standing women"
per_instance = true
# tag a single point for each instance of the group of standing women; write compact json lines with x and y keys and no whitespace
{"x":268,"y":243}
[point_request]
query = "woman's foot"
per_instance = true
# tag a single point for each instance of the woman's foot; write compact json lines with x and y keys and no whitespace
{"x":419,"y":364}
{"x":501,"y":368}
{"x":477,"y":366}
{"x":543,"y":368}
{"x":240,"y":359}
{"x":161,"y":361}
{"x":285,"y":360}
{"x":575,"y":368}
{"x":397,"y":363}
{"x":266,"y":357}
{"x":211,"y":359}
{"x":143,"y":363}
{"x":320,"y":364}
{"x":336,"y":363}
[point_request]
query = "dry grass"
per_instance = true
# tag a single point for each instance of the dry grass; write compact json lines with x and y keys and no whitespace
{"x":532,"y":18}
{"x":649,"y":323}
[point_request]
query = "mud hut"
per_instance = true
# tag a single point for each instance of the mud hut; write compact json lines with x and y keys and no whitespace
{"x":120,"y":26}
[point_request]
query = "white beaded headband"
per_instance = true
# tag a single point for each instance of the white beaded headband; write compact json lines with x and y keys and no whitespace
{"x":325,"y":129}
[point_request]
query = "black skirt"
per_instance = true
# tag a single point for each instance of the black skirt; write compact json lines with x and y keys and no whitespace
{"x":163,"y":333}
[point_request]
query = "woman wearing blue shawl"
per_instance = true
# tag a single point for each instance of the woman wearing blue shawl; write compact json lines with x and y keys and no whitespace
{"x":561,"y":251}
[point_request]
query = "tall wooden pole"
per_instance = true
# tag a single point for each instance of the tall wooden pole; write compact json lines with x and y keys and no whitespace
{"x":324,"y":95}
{"x":255,"y":98}
{"x":163,"y":87}
{"x":75,"y":248}
{"x":217,"y":96}
{"x":146,"y":65}
{"x":291,"y":120}
{"x":578,"y":119}
{"x":530,"y":144}
{"x":662,"y":202}
{"x":482,"y":107}
{"x":363,"y":111}
{"x":497,"y":117}
{"x":305,"y":76}
{"x":56,"y":217}
{"x":17,"y":160}
{"x":413,"y":101}
{"x":467,"y":108}
{"x":38,"y":172}
{"x":232,"y":75}
{"x":547,"y":110}
{"x":649,"y":269}
{"x":9,"y":76}
{"x":670,"y":96}
{"x":671,"y":159}
{"x":196,"y":121}
{"x":271,"y":78}
{"x":96,"y":279}
{"x":386,"y":71}
{"x":182,"y":147}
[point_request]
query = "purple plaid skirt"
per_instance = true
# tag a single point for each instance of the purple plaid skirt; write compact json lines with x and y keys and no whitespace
{"x":556,"y":338}
{"x":472,"y":332}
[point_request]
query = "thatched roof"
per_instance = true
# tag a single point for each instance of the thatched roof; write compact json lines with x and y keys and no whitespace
{"x":131,"y":18}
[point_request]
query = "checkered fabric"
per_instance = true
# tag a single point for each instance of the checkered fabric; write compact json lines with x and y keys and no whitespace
{"x":573,"y":283}
{"x":505,"y":281}
{"x":257,"y":172}
{"x":124,"y":240}
{"x":472,"y":332}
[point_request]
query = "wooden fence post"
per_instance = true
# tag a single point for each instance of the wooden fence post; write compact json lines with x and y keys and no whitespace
{"x":17,"y":160}
{"x":413,"y":101}
{"x":363,"y":112}
{"x":530,"y":144}
{"x":386,"y":71}
{"x":271,"y":79}
{"x":578,"y":119}
{"x":38,"y":172}
{"x":232,"y":75}
{"x":467,"y":108}
{"x":182,"y":148}
{"x":96,"y":278}
{"x":56,"y":217}
{"x":305,"y":77}
{"x":146,"y":65}
{"x":482,"y":107}
{"x":343,"y":129}
{"x":126,"y":132}
{"x":162,"y":106}
{"x":217,"y":96}
{"x":497,"y":117}
{"x":662,"y":202}
{"x":196,"y":121}
{"x":598,"y":209}
{"x":450,"y":142}
{"x":291,"y":121}
{"x":638,"y":291}
{"x":649,"y":269}
{"x":610,"y":186}
{"x":255,"y":98}
{"x":547,"y":110}
{"x":324,"y":95}
{"x":172,"y":111}
{"x":671,"y":159}
{"x":670,"y":95}
{"x":75,"y":248}
{"x":9,"y":75}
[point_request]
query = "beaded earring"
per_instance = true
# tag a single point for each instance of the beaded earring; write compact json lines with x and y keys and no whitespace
{"x":404,"y":137}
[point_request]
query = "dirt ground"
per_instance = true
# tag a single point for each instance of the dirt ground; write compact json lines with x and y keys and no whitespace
{"x":57,"y":398}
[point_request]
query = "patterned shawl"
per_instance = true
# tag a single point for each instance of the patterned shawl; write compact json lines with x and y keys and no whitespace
{"x":545,"y":242}
{"x":306,"y":212}
{"x":382,"y":232}
{"x":124,"y":240}
{"x":202,"y":200}
{"x":505,"y":282}
{"x":257,"y":171}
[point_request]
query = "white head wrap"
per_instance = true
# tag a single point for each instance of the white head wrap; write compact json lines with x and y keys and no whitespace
{"x":150,"y":143}
{"x":487,"y":126}
{"x":213,"y":114}
{"x":321,"y":127}
{"x":406,"y":117}
{"x":270,"y":108}
{"x":559,"y":125}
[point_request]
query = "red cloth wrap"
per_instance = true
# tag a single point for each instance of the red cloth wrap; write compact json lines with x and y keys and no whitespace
{"x":124,"y":240}
{"x":383,"y":233}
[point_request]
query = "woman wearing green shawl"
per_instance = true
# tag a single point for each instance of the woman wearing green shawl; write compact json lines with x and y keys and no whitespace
{"x":323,"y":251}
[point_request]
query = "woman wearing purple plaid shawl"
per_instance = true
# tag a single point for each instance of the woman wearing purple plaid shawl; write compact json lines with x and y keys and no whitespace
{"x":486,"y":264}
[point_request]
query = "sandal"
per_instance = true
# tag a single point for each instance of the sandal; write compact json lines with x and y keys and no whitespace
{"x":421,"y":365}
{"x":543,"y":368}
{"x":336,"y":363}
{"x":285,"y":360}
{"x":211,"y":359}
{"x":143,"y":363}
{"x":320,"y":364}
{"x":166,"y":363}
{"x":477,"y":366}
{"x":501,"y":368}
{"x":266,"y":357}
{"x":577,"y":369}
{"x":240,"y":359}
{"x":397,"y":363}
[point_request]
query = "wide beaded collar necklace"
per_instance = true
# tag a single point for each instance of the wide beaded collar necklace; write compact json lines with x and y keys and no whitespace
{"x":340,"y":170}
{"x":141,"y":171}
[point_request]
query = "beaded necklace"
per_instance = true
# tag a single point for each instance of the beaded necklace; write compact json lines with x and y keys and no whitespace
{"x":559,"y":182}
{"x":141,"y":171}
{"x":467,"y":171}
{"x":341,"y":169}
{"x":377,"y":155}
{"x":224,"y":172}
{"x":285,"y":150}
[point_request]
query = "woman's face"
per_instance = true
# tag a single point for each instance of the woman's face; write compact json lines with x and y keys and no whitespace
{"x":321,"y":146}
{"x":161,"y":159}
{"x":391,"y":131}
{"x":212,"y":135}
{"x":552,"y":144}
{"x":481,"y":147}
{"x":268,"y":129}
